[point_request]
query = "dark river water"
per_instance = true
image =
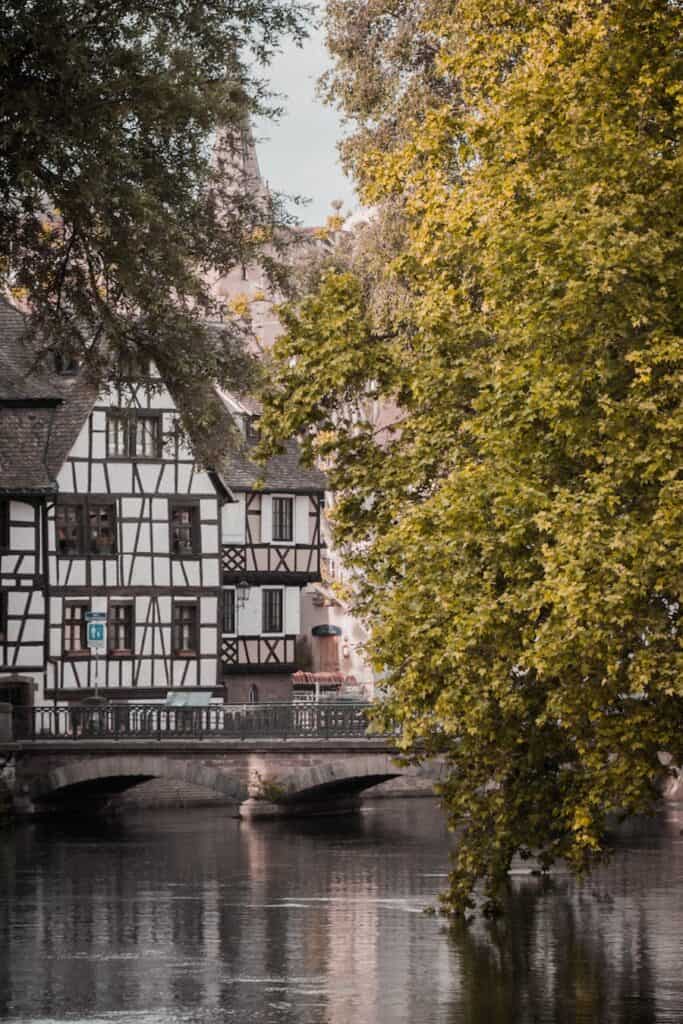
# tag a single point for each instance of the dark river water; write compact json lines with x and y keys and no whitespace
{"x":192,"y":916}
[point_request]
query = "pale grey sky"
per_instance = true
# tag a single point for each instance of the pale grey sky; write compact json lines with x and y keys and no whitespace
{"x":298,"y":154}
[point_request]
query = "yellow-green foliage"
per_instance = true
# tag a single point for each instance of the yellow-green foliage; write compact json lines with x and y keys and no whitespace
{"x":520,"y":532}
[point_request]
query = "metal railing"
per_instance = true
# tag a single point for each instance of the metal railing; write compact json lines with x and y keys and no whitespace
{"x":147,"y":721}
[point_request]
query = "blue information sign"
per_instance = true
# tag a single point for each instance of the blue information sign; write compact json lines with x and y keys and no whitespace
{"x":96,"y":635}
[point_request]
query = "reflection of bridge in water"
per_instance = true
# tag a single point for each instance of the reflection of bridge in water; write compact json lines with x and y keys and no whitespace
{"x":262,"y":759}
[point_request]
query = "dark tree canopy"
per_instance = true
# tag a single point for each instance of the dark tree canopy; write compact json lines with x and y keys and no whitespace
{"x":115,"y":210}
{"x":517,"y":300}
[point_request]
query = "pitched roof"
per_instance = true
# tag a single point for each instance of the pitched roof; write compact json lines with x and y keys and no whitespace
{"x":21,"y":377}
{"x":24,"y":434}
{"x":283,"y":472}
{"x":42,"y":412}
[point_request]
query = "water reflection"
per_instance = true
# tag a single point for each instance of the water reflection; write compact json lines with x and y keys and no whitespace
{"x":192,"y":915}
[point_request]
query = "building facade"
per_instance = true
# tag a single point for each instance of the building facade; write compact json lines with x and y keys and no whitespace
{"x":271,"y":549}
{"x":198,"y":577}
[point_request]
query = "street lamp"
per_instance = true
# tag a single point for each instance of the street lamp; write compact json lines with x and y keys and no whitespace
{"x":243,"y":590}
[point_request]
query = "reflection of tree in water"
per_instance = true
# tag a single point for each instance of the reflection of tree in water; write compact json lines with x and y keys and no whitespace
{"x":318,"y":920}
{"x":562,"y":954}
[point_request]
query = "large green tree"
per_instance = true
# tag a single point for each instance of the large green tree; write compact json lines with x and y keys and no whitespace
{"x":518,"y":532}
{"x":116,"y":207}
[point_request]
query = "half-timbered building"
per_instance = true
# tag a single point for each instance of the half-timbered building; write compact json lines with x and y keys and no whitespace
{"x":105,"y":509}
{"x":133,"y":533}
{"x":28,"y":404}
{"x":41,"y":409}
{"x":271,"y":549}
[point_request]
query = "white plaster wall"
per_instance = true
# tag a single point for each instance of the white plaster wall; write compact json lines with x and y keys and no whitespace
{"x":209,"y":539}
{"x":292,"y":610}
{"x":80,"y":449}
{"x":249,"y":617}
{"x":301,"y":518}
{"x":266,"y":519}
{"x":20,"y":510}
{"x":233,"y":526}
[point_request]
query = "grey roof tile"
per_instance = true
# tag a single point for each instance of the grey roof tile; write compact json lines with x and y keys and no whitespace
{"x":35,"y":440}
{"x":284,"y":472}
{"x":24,"y":434}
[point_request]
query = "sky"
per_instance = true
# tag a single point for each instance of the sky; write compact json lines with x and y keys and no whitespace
{"x":298,"y":155}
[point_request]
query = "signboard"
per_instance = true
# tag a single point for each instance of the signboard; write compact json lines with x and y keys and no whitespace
{"x":96,"y":629}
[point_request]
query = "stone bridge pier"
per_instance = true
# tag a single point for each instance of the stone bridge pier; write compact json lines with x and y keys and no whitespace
{"x":256,"y":778}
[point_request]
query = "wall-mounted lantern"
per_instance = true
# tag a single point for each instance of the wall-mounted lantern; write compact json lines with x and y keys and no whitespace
{"x":243,"y":590}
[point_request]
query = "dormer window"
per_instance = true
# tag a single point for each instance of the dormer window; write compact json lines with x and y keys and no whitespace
{"x":66,"y":365}
{"x":134,"y":367}
{"x":253,"y":429}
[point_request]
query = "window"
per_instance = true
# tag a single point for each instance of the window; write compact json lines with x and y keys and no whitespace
{"x":283,"y":519}
{"x":117,"y":434}
{"x":134,"y":367}
{"x":66,"y":365}
{"x":133,"y":434}
{"x":253,"y":429}
{"x":75,"y":629}
{"x":101,"y":537}
{"x":86,"y":528}
{"x":69,"y":527}
{"x":184,"y":629}
{"x":120,"y":629}
{"x":3,"y":616}
{"x":185,"y":530}
{"x":147,"y":437}
{"x":4,"y":524}
{"x":272,"y":611}
{"x":228,"y":611}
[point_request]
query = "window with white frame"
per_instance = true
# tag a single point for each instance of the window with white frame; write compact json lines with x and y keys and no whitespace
{"x":272,"y":610}
{"x":283,"y":518}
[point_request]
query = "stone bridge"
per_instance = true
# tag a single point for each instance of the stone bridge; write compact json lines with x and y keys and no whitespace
{"x":255,"y":777}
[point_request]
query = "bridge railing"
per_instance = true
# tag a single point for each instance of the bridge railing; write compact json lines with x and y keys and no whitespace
{"x":145,"y":721}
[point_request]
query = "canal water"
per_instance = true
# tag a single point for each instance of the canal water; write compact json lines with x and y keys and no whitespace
{"x":191,"y":916}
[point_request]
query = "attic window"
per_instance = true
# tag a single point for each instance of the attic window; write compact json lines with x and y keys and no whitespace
{"x":134,"y":367}
{"x":66,"y":365}
{"x":253,"y":429}
{"x":134,"y":433}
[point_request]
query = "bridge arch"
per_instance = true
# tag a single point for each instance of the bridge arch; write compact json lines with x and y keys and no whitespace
{"x":106,"y":776}
{"x":333,"y":780}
